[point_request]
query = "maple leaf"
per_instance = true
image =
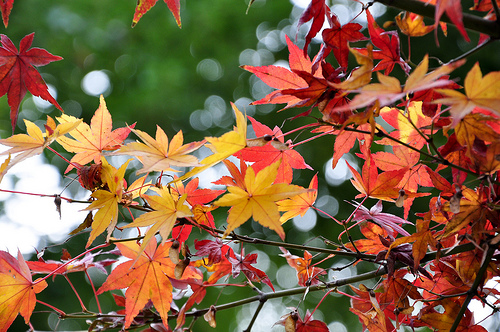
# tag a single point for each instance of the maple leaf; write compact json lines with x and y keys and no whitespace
{"x":90,"y":142}
{"x":243,"y":264}
{"x":34,"y":142}
{"x":338,"y":36}
{"x":195,"y":196}
{"x":415,"y":176}
{"x":388,"y":44}
{"x":306,"y":273}
{"x":389,"y":89}
{"x":6,"y":8}
{"x":18,"y":73}
{"x":453,"y":9}
{"x":273,"y":150}
{"x":106,"y":201}
{"x":256,"y":196}
{"x":222,"y":147}
{"x":157,"y":154}
{"x":147,"y":279}
{"x":143,"y":6}
{"x":474,"y":126}
{"x":17,"y":289}
{"x":389,"y":222}
{"x":413,"y":25}
{"x":282,"y":78}
{"x":408,"y":124}
{"x":309,"y":324}
{"x":479,"y":91}
{"x":299,"y":204}
{"x":360,"y":76}
{"x":215,"y":250}
{"x":371,"y":244}
{"x":77,"y":265}
{"x":165,"y":214}
{"x":316,"y":11}
{"x":374,"y":185}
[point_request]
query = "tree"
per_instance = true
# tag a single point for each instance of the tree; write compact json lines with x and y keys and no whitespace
{"x":438,"y":149}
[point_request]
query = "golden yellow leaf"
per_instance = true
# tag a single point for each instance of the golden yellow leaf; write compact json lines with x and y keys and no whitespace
{"x":256,"y":197}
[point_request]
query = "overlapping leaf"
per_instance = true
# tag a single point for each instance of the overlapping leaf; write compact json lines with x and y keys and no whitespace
{"x":158,"y":154}
{"x":224,"y":146}
{"x":34,"y":142}
{"x":90,"y":142}
{"x":106,"y":200}
{"x":480,"y":91}
{"x":165,"y":214}
{"x":255,"y":195}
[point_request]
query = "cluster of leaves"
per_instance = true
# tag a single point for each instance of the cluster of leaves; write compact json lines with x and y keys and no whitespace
{"x":441,"y":258}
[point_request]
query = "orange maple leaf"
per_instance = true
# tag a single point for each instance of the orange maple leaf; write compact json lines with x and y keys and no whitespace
{"x":413,"y":25}
{"x":299,"y":204}
{"x":157,"y":154}
{"x":165,"y":214}
{"x":90,"y":141}
{"x":147,"y":279}
{"x":17,"y":290}
{"x":107,"y":200}
{"x":409,"y":124}
{"x":479,"y":91}
{"x":306,"y":273}
{"x":372,"y":184}
{"x":256,"y":196}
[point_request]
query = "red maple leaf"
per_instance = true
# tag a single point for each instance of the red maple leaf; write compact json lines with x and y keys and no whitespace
{"x":388,"y":44}
{"x":337,"y":37}
{"x":316,"y":11}
{"x":6,"y":8}
{"x":275,"y":149}
{"x":243,"y":264}
{"x":18,"y":73}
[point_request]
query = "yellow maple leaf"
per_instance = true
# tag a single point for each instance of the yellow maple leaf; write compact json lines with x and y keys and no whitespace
{"x":256,"y":197}
{"x":299,"y":204}
{"x":90,"y":141}
{"x":106,"y":202}
{"x":165,"y":214}
{"x":480,"y":91}
{"x":224,"y":146}
{"x":33,"y":143}
{"x":157,"y":154}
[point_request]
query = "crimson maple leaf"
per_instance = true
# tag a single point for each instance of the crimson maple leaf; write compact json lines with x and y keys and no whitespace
{"x":275,"y":149}
{"x":337,"y":37}
{"x":6,"y":8}
{"x":316,"y":11}
{"x":18,"y":73}
{"x":243,"y":264}
{"x":388,"y":44}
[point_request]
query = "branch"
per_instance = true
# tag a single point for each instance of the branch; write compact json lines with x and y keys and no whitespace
{"x":473,"y":289}
{"x":471,"y":22}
